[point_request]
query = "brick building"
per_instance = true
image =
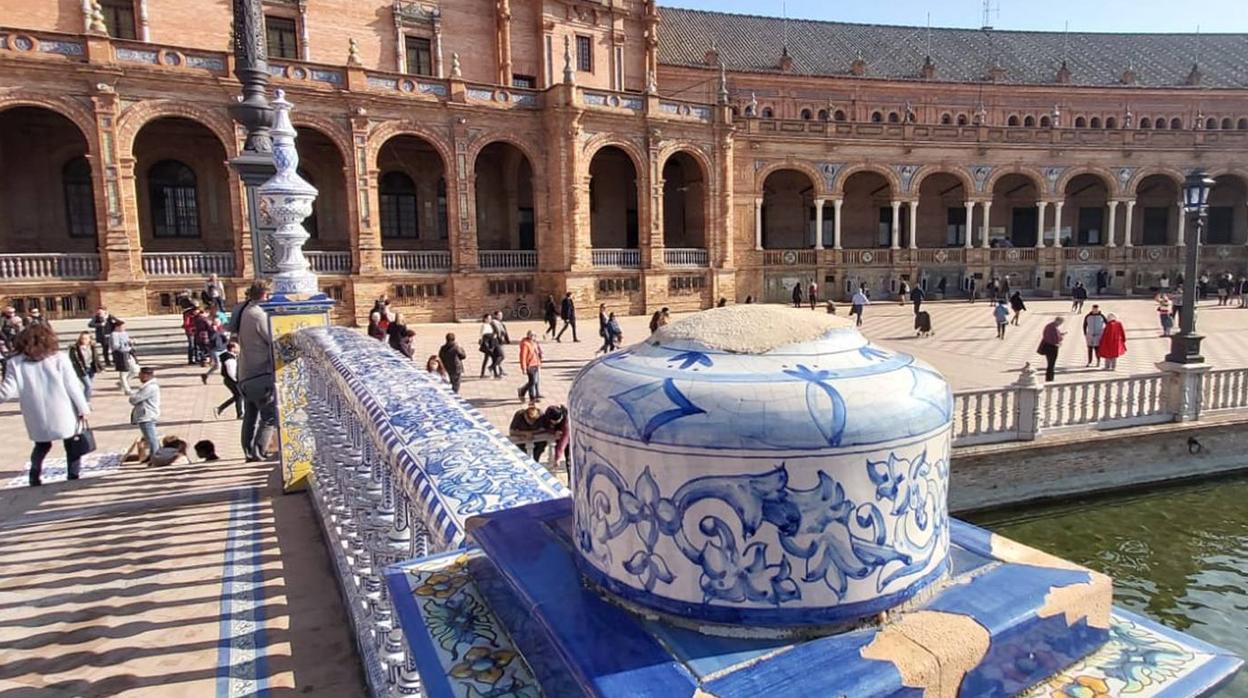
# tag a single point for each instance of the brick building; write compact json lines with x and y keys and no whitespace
{"x":471,"y":152}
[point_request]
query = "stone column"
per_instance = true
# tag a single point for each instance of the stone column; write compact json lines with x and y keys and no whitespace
{"x":896,"y":231}
{"x":1027,"y":392}
{"x":112,"y":183}
{"x":836,"y":223}
{"x":1041,"y":206}
{"x":970,"y":224}
{"x":1180,"y":238}
{"x":983,"y":240}
{"x":504,"y":42}
{"x":914,"y":224}
{"x":1057,"y":223}
{"x":1126,"y":241}
{"x":1113,"y":224}
{"x":758,"y":223}
{"x":819,"y":224}
{"x":366,"y":228}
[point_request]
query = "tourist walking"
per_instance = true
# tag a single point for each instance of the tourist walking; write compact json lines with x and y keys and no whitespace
{"x":145,"y":407}
{"x":485,"y":343}
{"x":917,"y":296}
{"x":1102,"y":281}
{"x":903,"y":292}
{"x":83,"y":358}
{"x":1093,"y":332}
{"x":970,"y":289}
{"x":1176,"y":304}
{"x":255,"y":375}
{"x":1113,"y":342}
{"x":812,"y":293}
{"x":1224,"y":288}
{"x":1078,"y":295}
{"x":214,"y":294}
{"x":452,"y":357}
{"x":1165,"y":314}
{"x":395,"y":331}
{"x":551,"y":316}
{"x":124,"y":361}
{"x":218,"y":339}
{"x":1202,"y":286}
{"x":797,"y":295}
{"x":567,"y":312}
{"x":531,"y":367}
{"x":50,"y":397}
{"x":1001,"y":312}
{"x":101,"y":324}
{"x":229,"y":376}
{"x":1050,"y":342}
{"x":614,"y":333}
{"x":1241,"y":290}
{"x":1164,"y":283}
{"x":858,"y":304}
{"x":1005,"y":286}
{"x":1018,"y":306}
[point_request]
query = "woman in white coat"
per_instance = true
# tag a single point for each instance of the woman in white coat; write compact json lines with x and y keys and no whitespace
{"x":53,"y":404}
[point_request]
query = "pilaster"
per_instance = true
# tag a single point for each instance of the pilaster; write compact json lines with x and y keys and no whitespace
{"x":121,"y":254}
{"x":461,"y":215}
{"x":366,"y":231}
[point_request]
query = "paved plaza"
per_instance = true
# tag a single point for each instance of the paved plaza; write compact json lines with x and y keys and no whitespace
{"x":166,"y":581}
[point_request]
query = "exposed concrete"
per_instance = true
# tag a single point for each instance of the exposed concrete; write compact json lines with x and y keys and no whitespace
{"x":1085,"y":462}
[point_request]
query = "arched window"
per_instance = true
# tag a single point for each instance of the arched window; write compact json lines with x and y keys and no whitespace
{"x":1029,"y":121}
{"x":1242,"y":125}
{"x":877,"y":117}
{"x":768,"y":113}
{"x":1176,"y":123}
{"x":823,"y":114}
{"x":946,"y":119}
{"x":1045,"y":122}
{"x":1227,"y":124}
{"x":806,"y":115}
{"x":962,"y":119}
{"x":1160,"y":123}
{"x":1081,"y":122}
{"x":174,"y":195}
{"x":399,"y":212}
{"x":1111,"y":122}
{"x":749,"y":111}
{"x":1012,"y":121}
{"x":79,"y":199}
{"x":1211,"y":123}
{"x":840,"y":115}
{"x":310,"y":223}
{"x":1146,"y":122}
{"x":736,"y":112}
{"x":894,"y":117}
{"x":1095,"y":122}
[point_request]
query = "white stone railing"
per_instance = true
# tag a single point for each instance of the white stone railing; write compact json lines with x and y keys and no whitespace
{"x":399,"y":468}
{"x":417,"y":260}
{"x":617,"y":258}
{"x":19,"y":267}
{"x":985,"y":416}
{"x":685,"y":257}
{"x":790,"y":257}
{"x":331,"y":262}
{"x":1224,"y":389}
{"x":507,"y":259}
{"x":1117,"y":402}
{"x":188,"y":263}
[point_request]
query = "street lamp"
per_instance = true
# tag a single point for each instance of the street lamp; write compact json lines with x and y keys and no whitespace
{"x":1185,"y":346}
{"x":255,"y":164}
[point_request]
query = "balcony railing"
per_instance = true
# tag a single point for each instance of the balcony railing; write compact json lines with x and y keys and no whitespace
{"x":1085,"y":254}
{"x":867,"y":257}
{"x":1154,"y":253}
{"x":507,"y":259}
{"x":617,"y":259}
{"x":944,"y":255}
{"x":18,"y":267}
{"x":685,"y":257}
{"x":333,"y":262}
{"x":1013,"y":255}
{"x":789,"y":258}
{"x":417,"y":261}
{"x":188,"y":263}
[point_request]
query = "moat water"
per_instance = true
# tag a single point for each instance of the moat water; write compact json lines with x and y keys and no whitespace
{"x":1178,"y":555}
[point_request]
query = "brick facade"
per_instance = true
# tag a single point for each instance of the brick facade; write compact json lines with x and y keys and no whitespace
{"x":642,"y":181}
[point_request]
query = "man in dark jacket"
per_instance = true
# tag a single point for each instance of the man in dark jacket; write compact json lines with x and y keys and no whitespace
{"x":567,"y":311}
{"x":102,"y":324}
{"x":452,"y":357}
{"x":917,"y":296}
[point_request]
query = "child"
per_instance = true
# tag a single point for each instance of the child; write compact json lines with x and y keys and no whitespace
{"x":229,"y":375}
{"x":145,"y":408}
{"x":1002,"y":313}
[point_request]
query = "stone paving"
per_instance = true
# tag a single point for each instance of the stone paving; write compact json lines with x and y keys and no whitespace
{"x":116,"y":585}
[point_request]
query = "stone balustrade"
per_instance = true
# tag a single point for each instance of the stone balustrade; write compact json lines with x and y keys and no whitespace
{"x":507,"y":259}
{"x":417,"y":261}
{"x":685,"y":257}
{"x":188,"y":263}
{"x":617,"y":258}
{"x":399,"y":469}
{"x":22,"y":267}
{"x":329,"y":262}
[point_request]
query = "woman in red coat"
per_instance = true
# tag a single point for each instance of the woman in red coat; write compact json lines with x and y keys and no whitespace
{"x":1113,"y":342}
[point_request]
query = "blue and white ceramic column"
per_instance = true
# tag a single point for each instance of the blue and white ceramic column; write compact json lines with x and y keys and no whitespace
{"x":296,"y":301}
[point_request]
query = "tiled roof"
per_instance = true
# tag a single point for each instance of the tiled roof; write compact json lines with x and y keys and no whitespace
{"x":751,"y":43}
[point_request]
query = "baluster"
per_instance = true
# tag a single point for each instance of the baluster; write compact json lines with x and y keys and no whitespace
{"x":993,"y":426}
{"x":965,"y":415}
{"x":979,"y":413}
{"x":1129,"y":403}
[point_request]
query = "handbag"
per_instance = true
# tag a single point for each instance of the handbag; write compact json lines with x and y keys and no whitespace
{"x":80,"y":444}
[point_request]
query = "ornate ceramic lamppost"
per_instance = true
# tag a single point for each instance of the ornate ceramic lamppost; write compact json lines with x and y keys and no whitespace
{"x":255,"y":164}
{"x":285,"y":201}
{"x":1185,"y":346}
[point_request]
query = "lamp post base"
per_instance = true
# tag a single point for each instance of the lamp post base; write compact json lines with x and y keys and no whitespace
{"x":1185,"y":349}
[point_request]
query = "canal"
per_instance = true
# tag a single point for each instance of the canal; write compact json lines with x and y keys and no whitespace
{"x":1178,"y":555}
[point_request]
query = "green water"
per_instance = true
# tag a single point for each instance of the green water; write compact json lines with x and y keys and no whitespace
{"x":1177,"y":555}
